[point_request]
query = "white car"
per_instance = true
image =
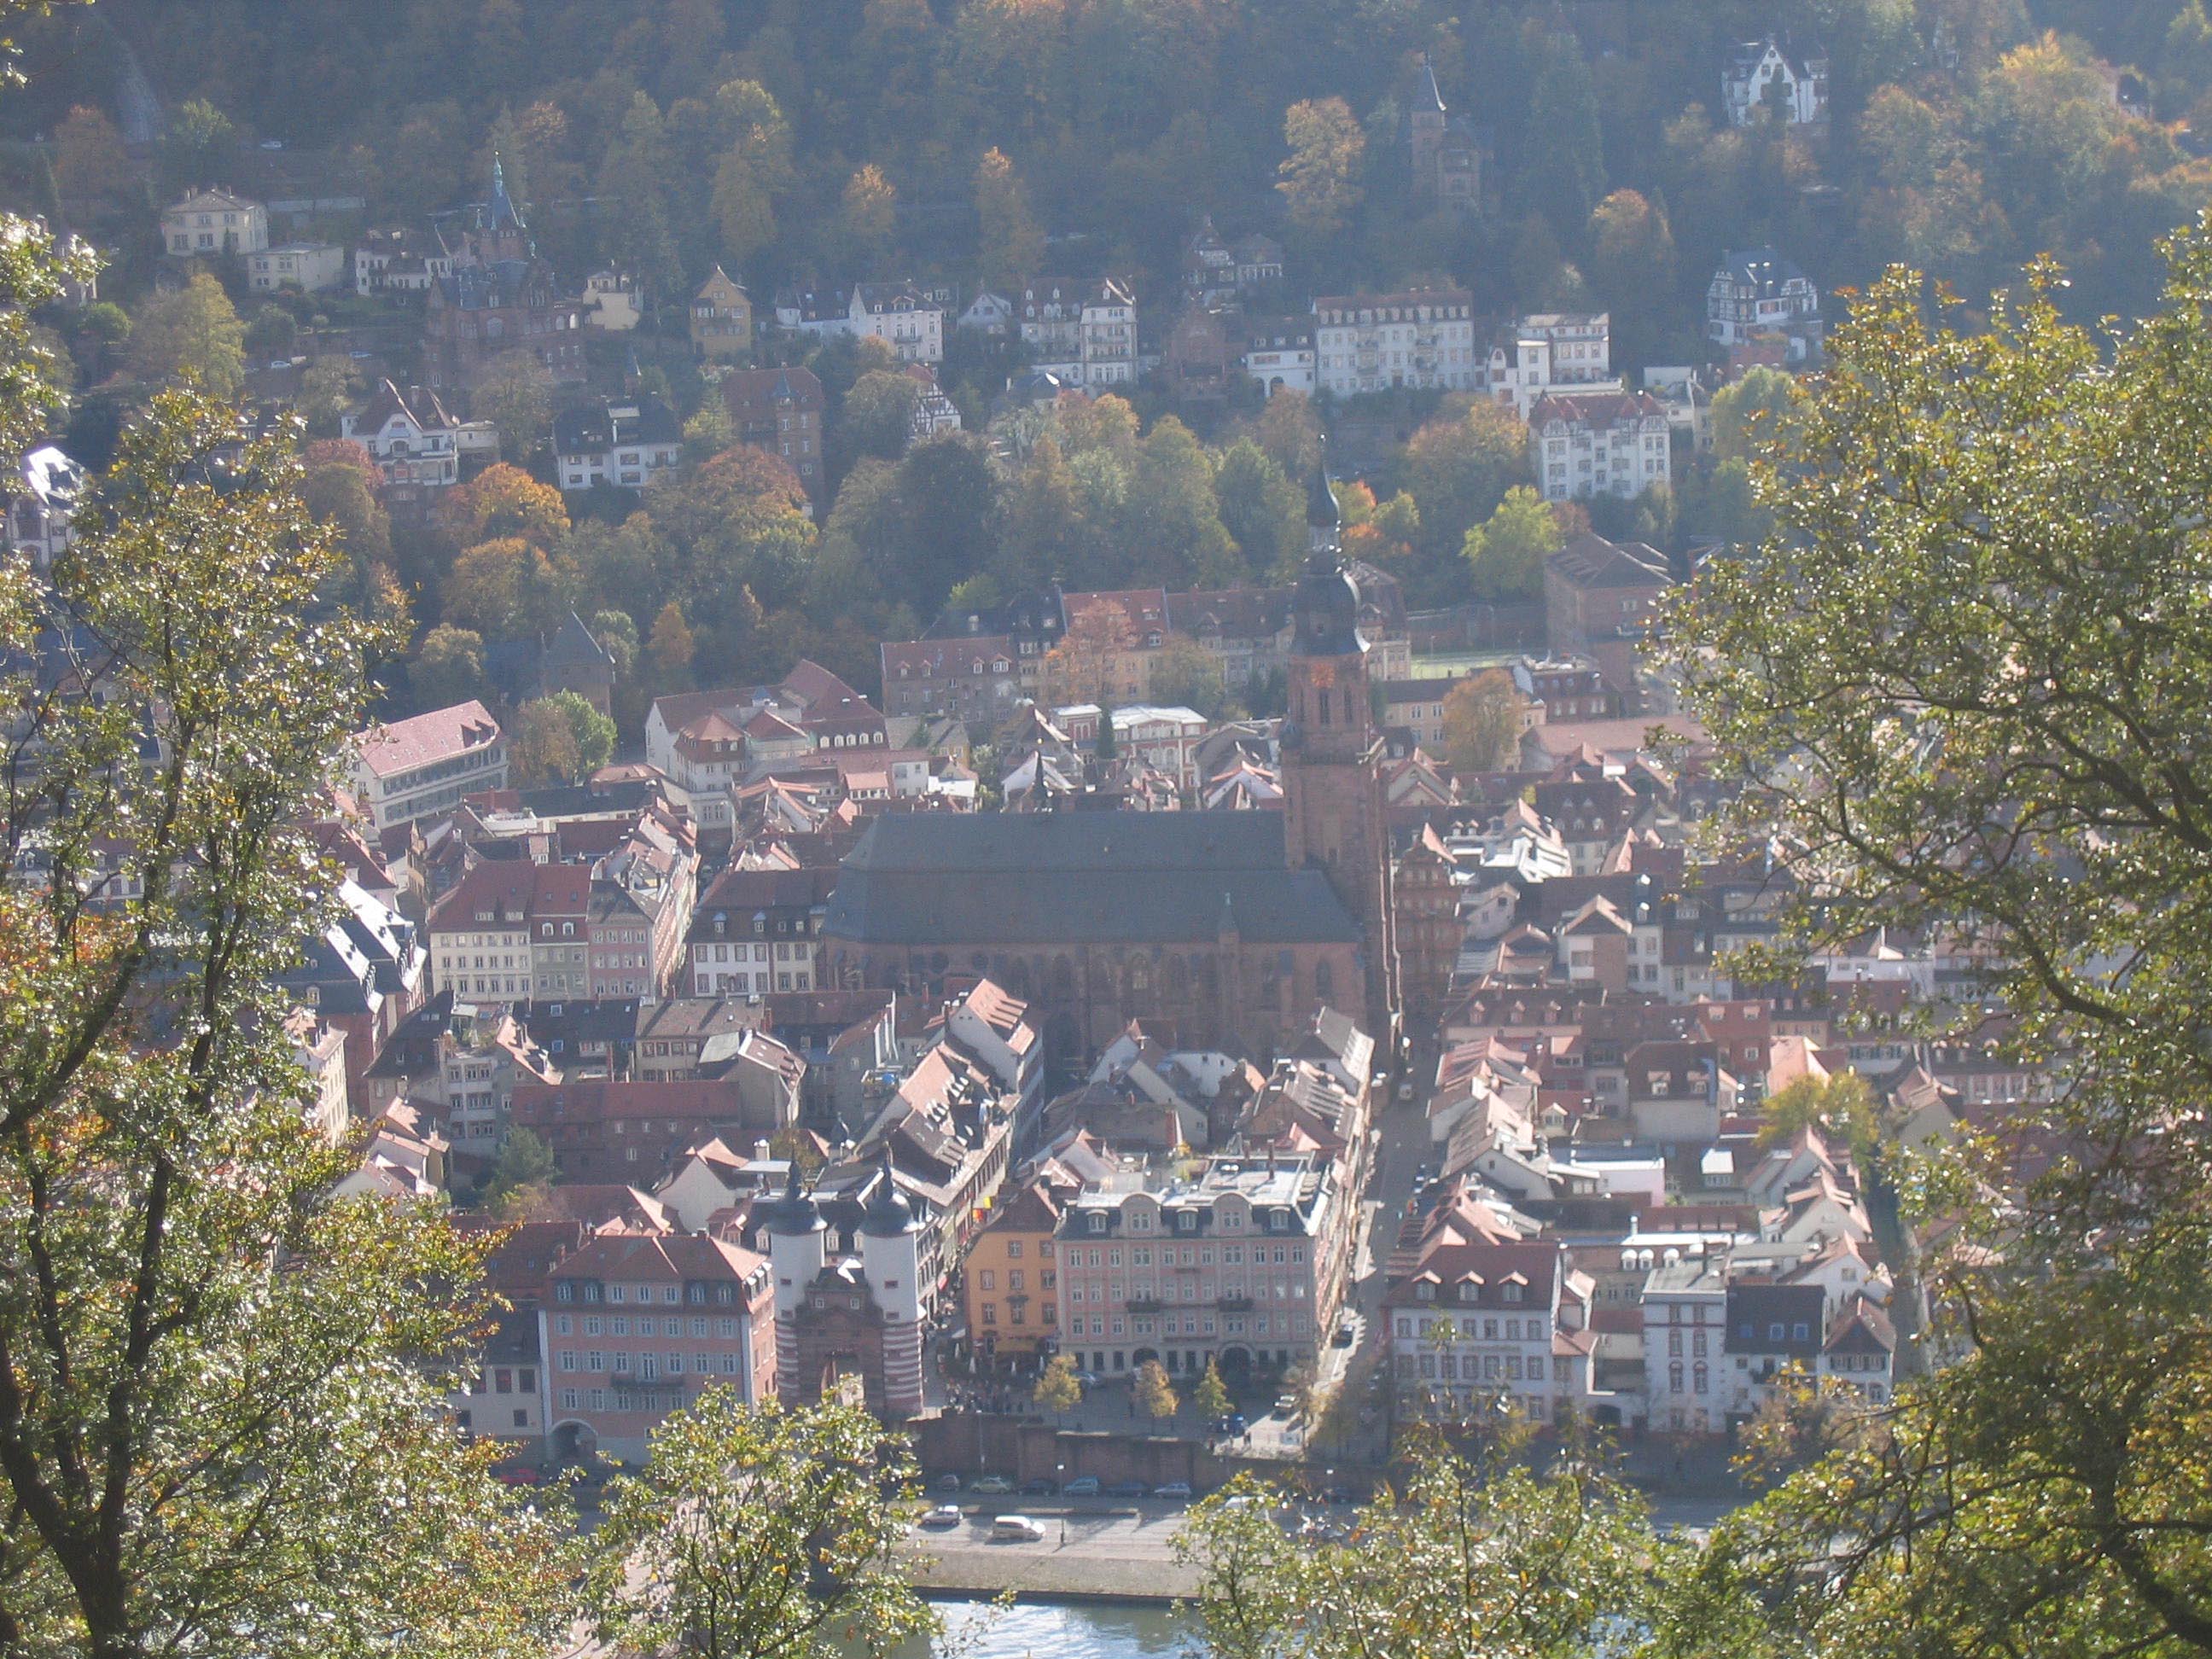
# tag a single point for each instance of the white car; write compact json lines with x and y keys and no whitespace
{"x":1016,"y":1529}
{"x":944,"y":1515}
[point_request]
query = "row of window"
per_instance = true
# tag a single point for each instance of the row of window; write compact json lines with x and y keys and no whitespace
{"x":1017,"y":1314}
{"x":1016,"y":1280}
{"x":593,"y":1290}
{"x":648,"y":1365}
{"x":1493,"y":1368}
{"x":1201,"y":1256}
{"x":621,"y":1325}
{"x":1538,"y":1329}
{"x":1193,"y":1324}
{"x":1192,"y":1291}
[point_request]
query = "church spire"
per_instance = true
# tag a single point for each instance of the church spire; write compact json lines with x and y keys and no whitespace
{"x":1429,"y":98}
{"x":503,"y":210}
{"x":1324,"y":522}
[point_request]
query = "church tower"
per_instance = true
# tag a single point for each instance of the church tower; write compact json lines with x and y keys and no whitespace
{"x":1333,"y":800}
{"x":504,"y":236}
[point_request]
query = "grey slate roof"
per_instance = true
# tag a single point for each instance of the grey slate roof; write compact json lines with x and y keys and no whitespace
{"x":1081,"y":877}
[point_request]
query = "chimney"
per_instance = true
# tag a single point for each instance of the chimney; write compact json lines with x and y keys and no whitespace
{"x":762,"y":1152}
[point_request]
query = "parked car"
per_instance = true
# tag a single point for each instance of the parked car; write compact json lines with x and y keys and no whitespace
{"x":1178,"y":1490}
{"x":944,"y":1515}
{"x":1345,"y":1337}
{"x":1043,"y":1486}
{"x":1286,"y":1404}
{"x":994,"y":1484}
{"x":519,"y":1474}
{"x":1088,"y":1379}
{"x":1016,"y":1529}
{"x":1083,"y":1485}
{"x":1405,"y":1091}
{"x":945,"y":1483}
{"x":1125,"y":1489}
{"x":1231,"y":1424}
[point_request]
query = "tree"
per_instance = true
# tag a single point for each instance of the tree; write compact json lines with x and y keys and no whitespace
{"x":504,"y":590}
{"x":1754,"y":408}
{"x":91,"y":168}
{"x":634,"y":177}
{"x":1459,"y":466}
{"x":1505,"y":553}
{"x":340,"y":485}
{"x":1483,"y":722}
{"x":668,"y":648}
{"x":199,"y":139}
{"x":756,"y":1531}
{"x":1057,"y":1388}
{"x":1290,"y":432}
{"x":1211,"y":1397}
{"x":868,"y":211}
{"x":542,"y":747}
{"x":1185,"y":672}
{"x":616,"y":632}
{"x":503,"y":500}
{"x":1632,"y":269}
{"x":448,"y":667}
{"x":1262,"y":510}
{"x":1563,"y":176}
{"x":522,"y":1170}
{"x":879,"y":413}
{"x":1320,"y":180}
{"x":193,"y":336}
{"x":206,"y":1448}
{"x":1841,"y":1107}
{"x":754,"y":169}
{"x":270,"y":334}
{"x":1009,"y":244}
{"x":1172,"y":521}
{"x":515,"y":394}
{"x":708,"y":431}
{"x":1475,"y":1555}
{"x":1300,"y":1384}
{"x":1154,"y":1394}
{"x":325,"y":392}
{"x":1956,"y":720}
{"x":1044,"y":534}
{"x":551,"y":758}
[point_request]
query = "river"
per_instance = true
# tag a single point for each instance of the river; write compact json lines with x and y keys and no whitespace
{"x":975,"y":1629}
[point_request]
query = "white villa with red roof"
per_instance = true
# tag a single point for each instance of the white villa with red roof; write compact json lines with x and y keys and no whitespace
{"x":413,"y":767}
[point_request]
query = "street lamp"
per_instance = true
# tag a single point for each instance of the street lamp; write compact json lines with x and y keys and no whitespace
{"x":1060,"y":1479}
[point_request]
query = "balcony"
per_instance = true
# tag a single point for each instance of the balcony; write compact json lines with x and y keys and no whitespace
{"x":1235,"y":1305}
{"x":1144,"y":1304}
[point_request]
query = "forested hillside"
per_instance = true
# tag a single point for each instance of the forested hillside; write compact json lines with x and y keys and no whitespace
{"x":673,"y":133}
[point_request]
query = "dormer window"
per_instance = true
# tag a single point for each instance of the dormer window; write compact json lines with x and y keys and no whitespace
{"x":1426,"y":1292}
{"x":1097,"y":1222}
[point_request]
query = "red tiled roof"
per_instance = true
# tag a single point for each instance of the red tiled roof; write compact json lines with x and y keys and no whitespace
{"x":438,"y":735}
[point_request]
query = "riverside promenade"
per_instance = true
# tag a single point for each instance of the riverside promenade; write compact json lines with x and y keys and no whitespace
{"x":1123,"y":1555}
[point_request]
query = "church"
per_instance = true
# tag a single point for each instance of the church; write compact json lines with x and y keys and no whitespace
{"x":1218,"y":930}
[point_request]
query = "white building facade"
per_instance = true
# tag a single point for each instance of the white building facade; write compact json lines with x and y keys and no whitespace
{"x":1423,"y":338}
{"x":1601,"y":444}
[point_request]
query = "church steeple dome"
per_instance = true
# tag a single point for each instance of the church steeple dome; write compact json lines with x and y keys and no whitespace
{"x":1326,"y":608}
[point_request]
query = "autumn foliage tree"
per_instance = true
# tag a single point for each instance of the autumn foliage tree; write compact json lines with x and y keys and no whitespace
{"x":1320,"y":180}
